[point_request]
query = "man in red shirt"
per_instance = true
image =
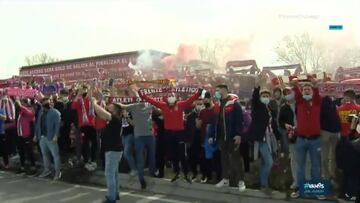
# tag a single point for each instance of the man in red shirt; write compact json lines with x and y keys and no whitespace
{"x":348,"y":107}
{"x":201,"y":123}
{"x":86,"y":121}
{"x":308,"y":102}
{"x":173,"y":113}
{"x":350,"y":175}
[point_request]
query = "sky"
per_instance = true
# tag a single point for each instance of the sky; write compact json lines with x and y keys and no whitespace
{"x":69,"y":29}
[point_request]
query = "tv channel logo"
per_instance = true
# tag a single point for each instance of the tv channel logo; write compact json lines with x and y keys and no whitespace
{"x":315,"y":188}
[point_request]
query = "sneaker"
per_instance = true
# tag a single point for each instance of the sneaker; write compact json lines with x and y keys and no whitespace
{"x":44,"y":174}
{"x":321,"y":197}
{"x":349,"y":198}
{"x":32,"y":170}
{"x":194,"y":178}
{"x":293,"y":186}
{"x":133,"y":173}
{"x":175,"y":178}
{"x":187,"y":179}
{"x":295,"y":194}
{"x":57,"y":177}
{"x":143,"y":184}
{"x":71,"y":163}
{"x":88,"y":167}
{"x":204,"y":180}
{"x":242,"y":186}
{"x":223,"y":183}
{"x":93,"y":166}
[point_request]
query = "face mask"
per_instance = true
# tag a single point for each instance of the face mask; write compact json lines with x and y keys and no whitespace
{"x":289,"y":97}
{"x":217,"y":95}
{"x":198,"y":108}
{"x":64,"y":100}
{"x":171,"y":100}
{"x":265,"y":100}
{"x":207,"y":105}
{"x":307,"y":97}
{"x":243,"y":108}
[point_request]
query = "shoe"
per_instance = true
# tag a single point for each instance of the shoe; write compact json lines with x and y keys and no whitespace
{"x":20,"y":170}
{"x":108,"y":201}
{"x":143,"y":184}
{"x":6,"y":167}
{"x":175,"y":178}
{"x":133,"y":173}
{"x":93,"y":166}
{"x":204,"y":180}
{"x":349,"y":198}
{"x":118,"y":197}
{"x":71,"y":163}
{"x":266,"y":190}
{"x":293,"y":186}
{"x":44,"y":174}
{"x":88,"y":167}
{"x":295,"y":194}
{"x":57,"y":177}
{"x":223,"y":183}
{"x":194,"y":178}
{"x":321,"y":197}
{"x":242,"y":186}
{"x":187,"y":179}
{"x":32,"y":170}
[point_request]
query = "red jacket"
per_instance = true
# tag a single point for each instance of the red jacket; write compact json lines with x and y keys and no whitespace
{"x":25,"y":119}
{"x":308,"y":113}
{"x":76,"y":106}
{"x":173,"y":115}
{"x":344,"y":111}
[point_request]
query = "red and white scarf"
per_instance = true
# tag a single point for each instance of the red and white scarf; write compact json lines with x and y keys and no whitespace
{"x":84,"y":113}
{"x":9,"y":108}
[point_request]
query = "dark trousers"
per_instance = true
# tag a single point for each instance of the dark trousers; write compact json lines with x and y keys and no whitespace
{"x":4,"y":152}
{"x":197,"y":158}
{"x":11,"y":135}
{"x":160,"y":154}
{"x":350,"y":183}
{"x":177,"y":149}
{"x":245,"y":154}
{"x":26,"y":151}
{"x":64,"y":142}
{"x":89,"y":136}
{"x":216,"y":165}
{"x":231,"y":160}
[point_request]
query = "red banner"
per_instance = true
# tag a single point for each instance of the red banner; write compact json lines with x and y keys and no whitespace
{"x":107,"y":66}
{"x":337,"y":89}
{"x":17,"y":92}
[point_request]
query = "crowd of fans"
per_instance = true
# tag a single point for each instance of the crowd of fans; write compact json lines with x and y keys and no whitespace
{"x":211,"y":137}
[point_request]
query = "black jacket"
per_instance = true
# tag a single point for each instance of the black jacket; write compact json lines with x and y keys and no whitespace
{"x":329,"y":118}
{"x":260,"y":118}
{"x":286,"y":116}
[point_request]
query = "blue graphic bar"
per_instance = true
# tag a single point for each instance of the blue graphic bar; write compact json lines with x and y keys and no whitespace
{"x":335,"y":27}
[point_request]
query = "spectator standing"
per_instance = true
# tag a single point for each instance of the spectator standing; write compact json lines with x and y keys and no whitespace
{"x":47,"y":132}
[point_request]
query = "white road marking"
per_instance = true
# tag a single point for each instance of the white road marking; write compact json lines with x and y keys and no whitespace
{"x":74,"y":197}
{"x":15,"y":181}
{"x":31,"y":198}
{"x":150,"y":199}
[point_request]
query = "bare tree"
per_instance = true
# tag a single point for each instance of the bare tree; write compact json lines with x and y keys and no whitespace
{"x":39,"y":59}
{"x":213,"y":51}
{"x":299,"y":49}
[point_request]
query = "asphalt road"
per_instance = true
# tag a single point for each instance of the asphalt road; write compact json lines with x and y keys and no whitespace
{"x":19,"y":189}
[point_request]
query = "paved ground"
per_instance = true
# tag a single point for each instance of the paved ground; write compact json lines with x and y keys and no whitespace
{"x":20,"y":189}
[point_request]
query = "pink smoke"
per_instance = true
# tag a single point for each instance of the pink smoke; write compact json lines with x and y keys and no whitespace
{"x":239,"y":49}
{"x":185,"y":53}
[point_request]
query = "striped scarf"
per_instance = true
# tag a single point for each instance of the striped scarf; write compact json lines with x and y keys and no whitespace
{"x":84,"y":113}
{"x":8,"y":105}
{"x":19,"y":126}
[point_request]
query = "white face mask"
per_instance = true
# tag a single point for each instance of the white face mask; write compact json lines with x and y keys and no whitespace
{"x":171,"y":100}
{"x":307,"y":97}
{"x":265,"y":100}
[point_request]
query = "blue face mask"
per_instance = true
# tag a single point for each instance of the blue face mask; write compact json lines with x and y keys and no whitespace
{"x":307,"y":97}
{"x":217,"y":95}
{"x":289,"y":97}
{"x":265,"y":100}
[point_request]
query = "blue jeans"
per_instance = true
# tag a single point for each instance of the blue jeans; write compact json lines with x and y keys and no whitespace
{"x":303,"y":146}
{"x":140,"y":143}
{"x":112,"y":160}
{"x":266,"y":164}
{"x":50,"y":148}
{"x":128,"y":142}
